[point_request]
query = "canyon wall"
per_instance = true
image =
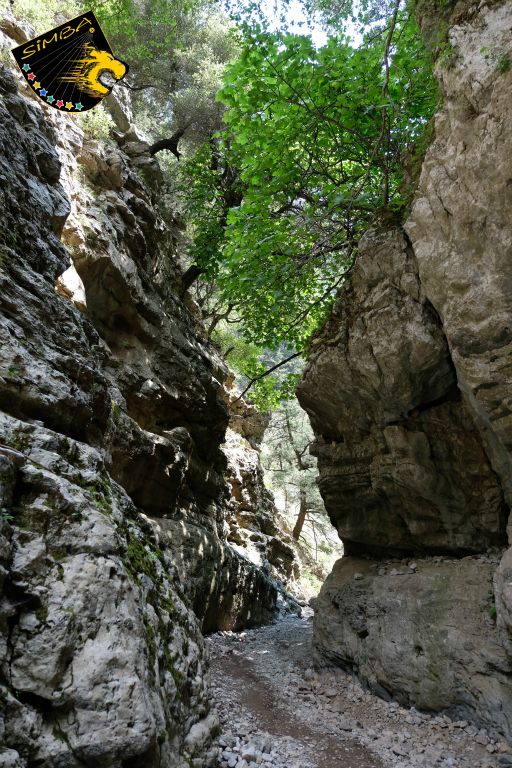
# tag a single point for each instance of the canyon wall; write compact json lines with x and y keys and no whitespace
{"x":408,"y":389}
{"x":114,"y":507}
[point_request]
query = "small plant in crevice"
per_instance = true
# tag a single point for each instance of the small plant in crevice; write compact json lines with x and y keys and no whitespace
{"x":97,"y":123}
{"x":504,"y":63}
{"x":5,"y":515}
{"x":448,"y":56}
{"x":498,"y":57}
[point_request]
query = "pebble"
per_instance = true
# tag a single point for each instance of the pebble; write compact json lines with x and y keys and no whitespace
{"x":327,"y":703}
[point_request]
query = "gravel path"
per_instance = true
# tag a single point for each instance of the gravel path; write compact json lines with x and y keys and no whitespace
{"x":276,"y":711}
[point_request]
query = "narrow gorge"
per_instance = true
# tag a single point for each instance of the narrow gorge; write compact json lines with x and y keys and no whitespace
{"x":151,"y":612}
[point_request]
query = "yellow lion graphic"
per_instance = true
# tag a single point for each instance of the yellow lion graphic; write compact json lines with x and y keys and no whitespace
{"x":85,"y":72}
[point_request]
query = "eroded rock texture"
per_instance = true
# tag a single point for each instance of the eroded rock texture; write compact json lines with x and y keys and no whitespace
{"x":113,"y":501}
{"x":101,"y":659}
{"x":426,"y":636}
{"x":460,"y":223}
{"x":408,"y":389}
{"x":253,"y":527}
{"x":401,"y":462}
{"x":239,"y":588}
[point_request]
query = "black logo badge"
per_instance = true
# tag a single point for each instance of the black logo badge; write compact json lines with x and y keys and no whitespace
{"x":72,"y":67}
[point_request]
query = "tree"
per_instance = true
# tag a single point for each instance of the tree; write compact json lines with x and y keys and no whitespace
{"x":177,"y":50}
{"x":290,"y":467}
{"x":315,"y":138}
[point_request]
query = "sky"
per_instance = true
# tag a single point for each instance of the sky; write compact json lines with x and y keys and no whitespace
{"x":296,"y":18}
{"x":299,"y":22}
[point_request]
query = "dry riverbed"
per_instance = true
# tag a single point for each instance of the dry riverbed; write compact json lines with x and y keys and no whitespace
{"x":277,"y":711}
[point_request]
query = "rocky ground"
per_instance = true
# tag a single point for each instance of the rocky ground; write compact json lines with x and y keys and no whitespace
{"x":278,"y":711}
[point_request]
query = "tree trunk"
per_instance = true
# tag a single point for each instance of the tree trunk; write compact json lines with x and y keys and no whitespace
{"x":190,"y":276}
{"x":301,"y":516}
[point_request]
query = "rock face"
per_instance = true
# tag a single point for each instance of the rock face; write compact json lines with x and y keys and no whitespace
{"x":253,"y":530}
{"x":113,"y":500}
{"x":239,"y":588}
{"x":401,"y":462}
{"x":426,"y":636}
{"x":101,"y":659}
{"x":408,"y":390}
{"x":460,"y":224}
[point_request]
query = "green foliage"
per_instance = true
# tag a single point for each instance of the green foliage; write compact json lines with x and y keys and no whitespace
{"x":310,"y":154}
{"x":309,"y":583}
{"x":290,"y":473}
{"x":42,"y":14}
{"x":6,"y":58}
{"x":498,"y":56}
{"x":448,"y":55}
{"x":144,"y":32}
{"x":96,"y":123}
{"x":504,"y":62}
{"x":200,"y":61}
{"x":240,"y":353}
{"x":176,"y":51}
{"x":285,"y":456}
{"x":248,"y":361}
{"x":140,"y":558}
{"x":202,"y":192}
{"x":361,"y":15}
{"x":5,"y":515}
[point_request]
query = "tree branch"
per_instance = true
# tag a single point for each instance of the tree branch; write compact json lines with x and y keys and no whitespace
{"x":267,"y":373}
{"x":171,"y":143}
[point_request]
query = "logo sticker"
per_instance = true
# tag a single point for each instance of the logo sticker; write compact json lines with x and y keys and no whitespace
{"x":72,"y":67}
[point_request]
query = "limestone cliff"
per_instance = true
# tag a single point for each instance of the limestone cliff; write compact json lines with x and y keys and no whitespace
{"x":408,"y":389}
{"x":114,"y":505}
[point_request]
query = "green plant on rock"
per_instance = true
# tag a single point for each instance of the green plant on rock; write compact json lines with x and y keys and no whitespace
{"x":141,"y":559}
{"x":116,"y":413}
{"x":498,"y":56}
{"x":504,"y":63}
{"x":41,"y":613}
{"x":6,"y":515}
{"x":448,"y":55}
{"x":59,"y":734}
{"x":101,"y":493}
{"x":96,"y":123}
{"x":6,"y":59}
{"x":19,"y":439}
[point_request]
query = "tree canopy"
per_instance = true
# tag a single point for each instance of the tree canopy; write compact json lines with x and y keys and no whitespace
{"x":177,"y":50}
{"x":309,"y":153}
